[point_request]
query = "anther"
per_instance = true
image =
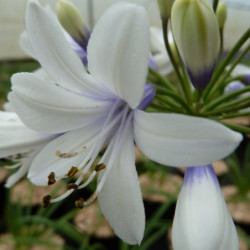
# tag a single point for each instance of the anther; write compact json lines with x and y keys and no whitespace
{"x":51,"y":178}
{"x":79,"y":203}
{"x":46,"y":201}
{"x":72,"y":171}
{"x":91,"y":198}
{"x":72,"y":186}
{"x":65,"y":155}
{"x":100,"y":167}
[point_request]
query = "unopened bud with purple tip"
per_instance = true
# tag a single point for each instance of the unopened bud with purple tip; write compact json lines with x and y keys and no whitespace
{"x":196,"y":32}
{"x":246,"y":79}
{"x":234,"y":86}
{"x":72,"y":22}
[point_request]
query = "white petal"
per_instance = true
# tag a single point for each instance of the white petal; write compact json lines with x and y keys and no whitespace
{"x":74,"y":143}
{"x":53,"y":51}
{"x":118,"y":51}
{"x":241,"y":69}
{"x":14,"y":178}
{"x":47,"y":107}
{"x":163,"y":64}
{"x":26,"y":45}
{"x":156,"y":40}
{"x":121,"y":199}
{"x":202,"y":220}
{"x":181,"y":140}
{"x":40,"y":72}
{"x":16,"y":138}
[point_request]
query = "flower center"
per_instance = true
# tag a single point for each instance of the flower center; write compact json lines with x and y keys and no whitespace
{"x":111,"y":135}
{"x":148,"y":97}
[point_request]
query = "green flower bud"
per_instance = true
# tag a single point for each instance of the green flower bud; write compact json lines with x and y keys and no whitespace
{"x":72,"y":22}
{"x":175,"y":52}
{"x":221,"y":14}
{"x":196,"y":32}
{"x":165,"y":7}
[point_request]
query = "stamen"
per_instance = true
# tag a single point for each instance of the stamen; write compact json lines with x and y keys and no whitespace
{"x":72,"y":171}
{"x":100,"y":167}
{"x":19,"y":164}
{"x":65,"y":155}
{"x":80,"y":203}
{"x":46,"y":201}
{"x":116,"y":144}
{"x":51,"y":178}
{"x":69,"y":192}
{"x":72,"y":186}
{"x":112,"y":132}
{"x":91,"y":177}
{"x":90,"y":199}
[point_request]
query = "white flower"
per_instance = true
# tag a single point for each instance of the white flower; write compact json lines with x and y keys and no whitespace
{"x":243,"y":73}
{"x":27,"y":47}
{"x":202,"y":220}
{"x":104,"y":109}
{"x":158,"y":50}
{"x":19,"y":144}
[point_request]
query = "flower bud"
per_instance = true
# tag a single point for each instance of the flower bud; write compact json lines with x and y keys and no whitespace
{"x":221,"y":14}
{"x":234,"y":86}
{"x":196,"y":32}
{"x":246,"y":79}
{"x":72,"y":22}
{"x":202,"y":220}
{"x":175,"y":52}
{"x":165,"y":7}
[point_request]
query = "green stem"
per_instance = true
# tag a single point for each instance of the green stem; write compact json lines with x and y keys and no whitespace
{"x":228,"y":116}
{"x":224,"y":82}
{"x":166,"y":101}
{"x":224,"y":63}
{"x":171,"y":57}
{"x":160,"y":108}
{"x":225,"y":98}
{"x":187,"y":84}
{"x":64,"y":228}
{"x":159,"y":213}
{"x":161,"y":79}
{"x":177,"y":98}
{"x":221,"y":43}
{"x":184,"y":86}
{"x":239,"y":128}
{"x":232,"y":79}
{"x":154,"y":237}
{"x":199,"y":101}
{"x":227,"y":109}
{"x":236,"y":102}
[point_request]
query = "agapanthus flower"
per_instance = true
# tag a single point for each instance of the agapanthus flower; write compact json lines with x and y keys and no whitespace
{"x":242,"y":73}
{"x":202,"y":220}
{"x":77,"y":34}
{"x":158,"y":50}
{"x":196,"y":33}
{"x":19,"y":144}
{"x":104,"y":110}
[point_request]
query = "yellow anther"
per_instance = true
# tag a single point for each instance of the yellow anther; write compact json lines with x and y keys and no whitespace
{"x":51,"y":178}
{"x":72,"y":171}
{"x":79,"y":203}
{"x":46,"y":201}
{"x":100,"y":167}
